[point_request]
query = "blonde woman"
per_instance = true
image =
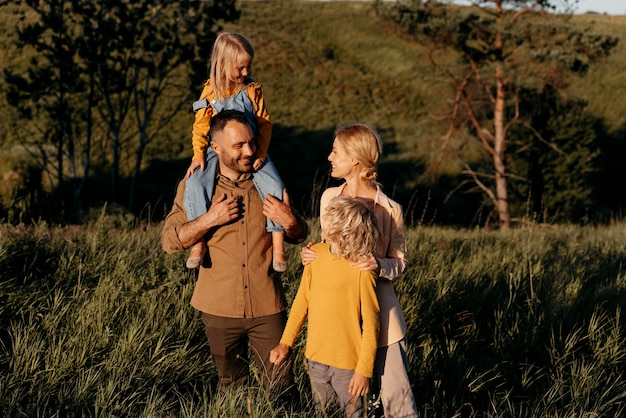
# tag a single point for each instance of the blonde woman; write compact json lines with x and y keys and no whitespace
{"x":342,"y":309}
{"x":355,"y":153}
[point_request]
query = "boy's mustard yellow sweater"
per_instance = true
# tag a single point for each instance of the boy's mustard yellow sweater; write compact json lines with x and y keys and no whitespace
{"x":343,"y":314}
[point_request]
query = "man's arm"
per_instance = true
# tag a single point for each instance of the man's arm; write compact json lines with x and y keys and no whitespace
{"x":179,"y":234}
{"x":296,"y":228}
{"x":223,"y":209}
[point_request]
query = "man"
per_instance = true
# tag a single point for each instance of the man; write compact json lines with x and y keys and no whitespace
{"x":239,"y":295}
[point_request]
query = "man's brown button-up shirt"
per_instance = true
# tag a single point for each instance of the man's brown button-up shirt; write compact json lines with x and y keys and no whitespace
{"x":236,"y":280}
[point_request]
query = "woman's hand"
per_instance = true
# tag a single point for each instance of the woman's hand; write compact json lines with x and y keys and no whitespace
{"x":366,"y":263}
{"x":195,"y":163}
{"x":307,"y":254}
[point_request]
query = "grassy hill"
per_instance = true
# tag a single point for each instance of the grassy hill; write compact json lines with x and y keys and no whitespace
{"x":326,"y":63}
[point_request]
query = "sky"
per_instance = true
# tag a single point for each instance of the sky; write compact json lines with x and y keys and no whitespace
{"x":611,"y":7}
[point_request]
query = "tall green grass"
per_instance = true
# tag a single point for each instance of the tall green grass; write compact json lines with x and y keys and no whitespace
{"x":96,"y":322}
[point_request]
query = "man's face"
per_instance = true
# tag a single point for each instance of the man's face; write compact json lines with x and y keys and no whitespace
{"x":236,"y":149}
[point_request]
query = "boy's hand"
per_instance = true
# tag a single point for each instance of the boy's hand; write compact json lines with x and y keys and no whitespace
{"x":278,"y":353}
{"x":257,"y":164}
{"x":358,"y":385}
{"x":195,"y":163}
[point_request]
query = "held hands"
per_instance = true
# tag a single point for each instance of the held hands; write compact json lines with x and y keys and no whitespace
{"x":195,"y":163}
{"x":366,"y":263}
{"x":307,"y":254}
{"x":358,"y":385}
{"x":279,"y":353}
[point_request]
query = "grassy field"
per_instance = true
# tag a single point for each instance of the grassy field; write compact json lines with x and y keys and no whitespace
{"x":96,"y":322}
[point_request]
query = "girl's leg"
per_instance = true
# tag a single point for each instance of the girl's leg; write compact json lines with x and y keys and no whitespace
{"x":278,"y":250}
{"x":198,"y":194}
{"x":267,"y":181}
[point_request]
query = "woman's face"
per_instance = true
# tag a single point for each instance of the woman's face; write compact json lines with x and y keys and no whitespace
{"x":341,"y":165}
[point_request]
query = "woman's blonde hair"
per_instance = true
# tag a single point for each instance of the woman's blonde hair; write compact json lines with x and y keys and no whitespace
{"x":228,"y":48}
{"x":363,"y":144}
{"x":350,"y":228}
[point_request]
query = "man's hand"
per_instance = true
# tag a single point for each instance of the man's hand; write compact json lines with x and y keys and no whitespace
{"x":277,"y":211}
{"x":223,"y":210}
{"x":279,"y":353}
{"x":366,"y":263}
{"x":307,"y":254}
{"x":358,"y":385}
{"x":195,"y":163}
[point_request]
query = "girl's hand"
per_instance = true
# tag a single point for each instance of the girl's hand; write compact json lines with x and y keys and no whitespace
{"x":257,"y":164}
{"x":195,"y":163}
{"x":366,"y":263}
{"x":358,"y":385}
{"x":307,"y":254}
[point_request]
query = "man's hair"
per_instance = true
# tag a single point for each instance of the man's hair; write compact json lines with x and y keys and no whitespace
{"x":219,"y":121}
{"x":350,"y":227}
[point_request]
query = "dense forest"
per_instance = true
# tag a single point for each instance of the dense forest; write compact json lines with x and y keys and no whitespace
{"x":101,"y":113}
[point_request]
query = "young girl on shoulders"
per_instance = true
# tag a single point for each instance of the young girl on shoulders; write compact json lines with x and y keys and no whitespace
{"x":342,"y":310}
{"x":230,"y":87}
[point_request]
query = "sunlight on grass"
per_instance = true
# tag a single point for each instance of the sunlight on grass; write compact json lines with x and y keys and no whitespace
{"x":97,"y":322}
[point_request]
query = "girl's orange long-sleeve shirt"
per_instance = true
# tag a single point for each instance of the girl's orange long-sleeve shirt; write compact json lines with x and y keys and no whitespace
{"x":202,"y":122}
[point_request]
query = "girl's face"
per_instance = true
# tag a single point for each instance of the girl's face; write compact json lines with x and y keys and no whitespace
{"x":239,"y":70}
{"x":342,"y":166}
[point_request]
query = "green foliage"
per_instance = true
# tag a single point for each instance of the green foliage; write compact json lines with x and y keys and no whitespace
{"x":556,"y":151}
{"x":96,"y":321}
{"x":104,"y":79}
{"x":501,"y":57}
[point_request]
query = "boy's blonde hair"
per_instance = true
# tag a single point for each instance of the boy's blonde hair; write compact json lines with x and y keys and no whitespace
{"x":350,"y":228}
{"x":228,"y":48}
{"x":363,"y":144}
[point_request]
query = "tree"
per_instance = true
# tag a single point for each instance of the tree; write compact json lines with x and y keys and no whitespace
{"x":113,"y":72}
{"x":557,"y":153}
{"x":46,"y":92}
{"x":502,"y":46}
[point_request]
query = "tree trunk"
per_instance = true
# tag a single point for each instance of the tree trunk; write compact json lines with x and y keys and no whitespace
{"x":504,"y":216}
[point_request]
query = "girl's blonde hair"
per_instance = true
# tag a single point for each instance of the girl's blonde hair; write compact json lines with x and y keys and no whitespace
{"x":350,"y":227}
{"x":363,"y":144}
{"x":228,"y":48}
